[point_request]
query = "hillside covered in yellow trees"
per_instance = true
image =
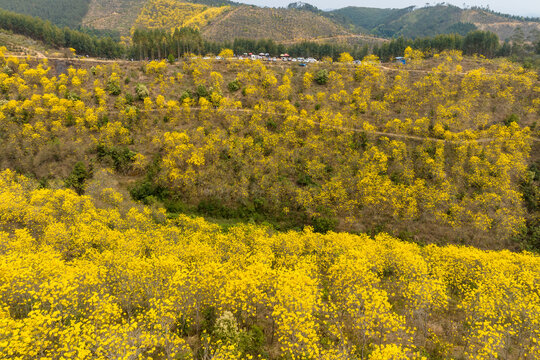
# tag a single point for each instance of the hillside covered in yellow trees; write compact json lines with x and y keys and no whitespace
{"x":95,"y":277}
{"x":223,"y":208}
{"x":171,"y":14}
{"x":438,"y":151}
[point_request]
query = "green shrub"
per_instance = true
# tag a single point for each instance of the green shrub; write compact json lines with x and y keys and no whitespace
{"x":72,"y":95}
{"x":77,"y":179}
{"x":234,"y":85}
{"x":510,"y":119}
{"x":113,"y":87}
{"x":129,"y":98}
{"x":252,"y":342}
{"x":215,"y":208}
{"x":7,"y":70}
{"x":103,"y":120}
{"x":202,"y":91}
{"x":321,"y":77}
{"x":120,"y":157}
{"x":70,"y":120}
{"x":324,"y":224}
{"x":142,"y":91}
{"x":147,"y":191}
{"x":186,"y":95}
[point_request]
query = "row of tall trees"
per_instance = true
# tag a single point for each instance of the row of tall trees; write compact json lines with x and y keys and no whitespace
{"x":159,"y":43}
{"x":479,"y":42}
{"x":152,"y":44}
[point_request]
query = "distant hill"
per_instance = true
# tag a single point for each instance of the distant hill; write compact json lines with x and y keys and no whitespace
{"x":119,"y":15}
{"x":278,"y":24}
{"x":360,"y":19}
{"x":422,"y":22}
{"x":172,"y":14}
{"x":60,"y":12}
{"x":123,"y":15}
{"x":414,"y":22}
{"x":503,"y":25}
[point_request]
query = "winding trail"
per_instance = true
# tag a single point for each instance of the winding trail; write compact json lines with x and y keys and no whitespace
{"x":341,"y":128}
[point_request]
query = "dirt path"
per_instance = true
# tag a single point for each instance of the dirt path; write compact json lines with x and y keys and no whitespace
{"x":280,"y":64}
{"x":337,"y":38}
{"x":341,"y":128}
{"x":38,"y":54}
{"x":223,"y":18}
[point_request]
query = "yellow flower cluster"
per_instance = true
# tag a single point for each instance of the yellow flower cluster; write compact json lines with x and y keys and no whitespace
{"x":120,"y":281}
{"x":172,"y":14}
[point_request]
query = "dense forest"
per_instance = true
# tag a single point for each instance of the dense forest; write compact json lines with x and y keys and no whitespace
{"x":52,"y":35}
{"x":59,"y":12}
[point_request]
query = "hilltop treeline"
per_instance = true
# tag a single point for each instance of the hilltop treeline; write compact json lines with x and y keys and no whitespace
{"x":475,"y":42}
{"x":508,"y":16}
{"x":59,"y":12}
{"x":52,"y":35}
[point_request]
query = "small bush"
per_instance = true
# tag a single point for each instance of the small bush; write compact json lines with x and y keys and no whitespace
{"x":510,"y":119}
{"x":129,"y":99}
{"x":186,"y":95}
{"x":324,"y":224}
{"x":113,"y":87}
{"x":202,"y":91}
{"x":304,"y":180}
{"x":142,"y":91}
{"x":321,"y":77}
{"x":77,"y":179}
{"x":103,"y":120}
{"x":146,"y":191}
{"x":214,"y":208}
{"x":252,"y":342}
{"x":120,"y":157}
{"x":72,"y":95}
{"x":234,"y":85}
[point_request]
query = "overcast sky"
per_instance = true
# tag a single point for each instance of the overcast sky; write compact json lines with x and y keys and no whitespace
{"x":515,"y":7}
